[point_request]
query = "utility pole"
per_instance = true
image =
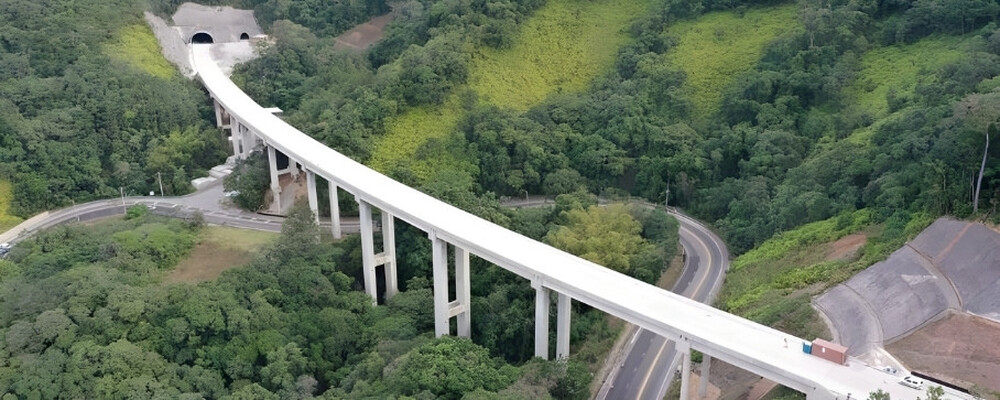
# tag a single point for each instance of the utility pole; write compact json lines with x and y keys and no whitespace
{"x":158,"y":179}
{"x":122,"y":191}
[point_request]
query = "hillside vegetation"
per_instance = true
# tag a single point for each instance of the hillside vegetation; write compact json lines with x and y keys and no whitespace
{"x":718,"y":48}
{"x":774,"y":283}
{"x":561,"y":48}
{"x":136,"y":45}
{"x":7,"y":220}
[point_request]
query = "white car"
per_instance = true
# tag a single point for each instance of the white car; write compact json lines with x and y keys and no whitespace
{"x":912,"y":382}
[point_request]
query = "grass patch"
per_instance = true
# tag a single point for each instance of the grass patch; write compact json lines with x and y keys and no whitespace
{"x":562,"y":48}
{"x":406,"y":133}
{"x":718,"y":47}
{"x":7,"y":221}
{"x":774,"y":283}
{"x":137,"y":46}
{"x":900,"y":68}
{"x":238,"y":239}
{"x":219,"y":249}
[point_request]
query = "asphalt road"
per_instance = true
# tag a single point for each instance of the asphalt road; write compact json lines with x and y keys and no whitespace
{"x":648,"y":368}
{"x":209,"y":202}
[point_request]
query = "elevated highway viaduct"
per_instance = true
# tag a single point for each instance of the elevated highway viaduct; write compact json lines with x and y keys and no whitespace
{"x":690,"y":325}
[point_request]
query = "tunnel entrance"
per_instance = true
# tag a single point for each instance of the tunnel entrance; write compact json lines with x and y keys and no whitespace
{"x":202,"y":37}
{"x":244,"y":36}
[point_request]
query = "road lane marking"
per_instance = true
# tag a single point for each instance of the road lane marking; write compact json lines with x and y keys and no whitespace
{"x":645,"y":380}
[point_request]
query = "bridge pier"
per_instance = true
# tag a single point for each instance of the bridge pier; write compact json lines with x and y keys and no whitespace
{"x":386,"y":258}
{"x":444,"y":309}
{"x":562,"y":326}
{"x":218,"y":113}
{"x":334,"y":210}
{"x":272,"y":161}
{"x":311,"y":194}
{"x":684,"y":350}
{"x":706,"y":364}
{"x":563,"y":312}
{"x":541,"y":321}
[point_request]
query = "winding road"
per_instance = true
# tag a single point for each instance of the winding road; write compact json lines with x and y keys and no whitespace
{"x":647,"y":369}
{"x":208,"y":201}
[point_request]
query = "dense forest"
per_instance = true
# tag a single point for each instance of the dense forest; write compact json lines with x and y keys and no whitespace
{"x":79,"y":119}
{"x":861,"y":110}
{"x":87,"y":314}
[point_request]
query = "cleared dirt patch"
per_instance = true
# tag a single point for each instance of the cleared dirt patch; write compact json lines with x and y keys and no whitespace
{"x":220,"y":249}
{"x":959,"y":348}
{"x":847,"y":247}
{"x":364,"y":35}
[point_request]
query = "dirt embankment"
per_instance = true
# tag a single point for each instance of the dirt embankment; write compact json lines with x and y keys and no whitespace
{"x":959,"y":345}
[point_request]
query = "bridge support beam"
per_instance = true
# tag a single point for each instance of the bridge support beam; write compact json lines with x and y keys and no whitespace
{"x":439,"y":256}
{"x":706,"y":365}
{"x":236,"y":134}
{"x":388,"y":256}
{"x":369,"y":259}
{"x":461,"y":307}
{"x":562,"y":326}
{"x":235,"y":141}
{"x":272,"y":162}
{"x":684,"y":350}
{"x":311,"y":194}
{"x":543,"y":302}
{"x":218,"y":113}
{"x":541,"y":321}
{"x":335,"y":210}
{"x":368,"y":249}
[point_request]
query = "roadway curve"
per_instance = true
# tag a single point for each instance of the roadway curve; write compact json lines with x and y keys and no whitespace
{"x":647,"y":370}
{"x":207,"y":202}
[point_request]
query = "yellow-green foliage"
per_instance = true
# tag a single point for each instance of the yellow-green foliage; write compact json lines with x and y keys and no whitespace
{"x":608,"y":236}
{"x":900,"y":68}
{"x":817,"y":232}
{"x":7,"y":221}
{"x":560,"y":49}
{"x":136,"y":45}
{"x":409,"y":131}
{"x":718,"y":47}
{"x":239,"y":239}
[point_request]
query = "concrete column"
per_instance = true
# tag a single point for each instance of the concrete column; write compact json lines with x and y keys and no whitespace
{"x":218,"y":113}
{"x":706,"y":364}
{"x":368,"y":249}
{"x":685,"y":352}
{"x":335,"y":211}
{"x":541,"y":321}
{"x":562,"y":326}
{"x":247,"y":139}
{"x":235,"y":142}
{"x":439,"y":254}
{"x":311,"y":189}
{"x":272,"y":161}
{"x":236,"y":132}
{"x":389,"y":254}
{"x":463,"y":292}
